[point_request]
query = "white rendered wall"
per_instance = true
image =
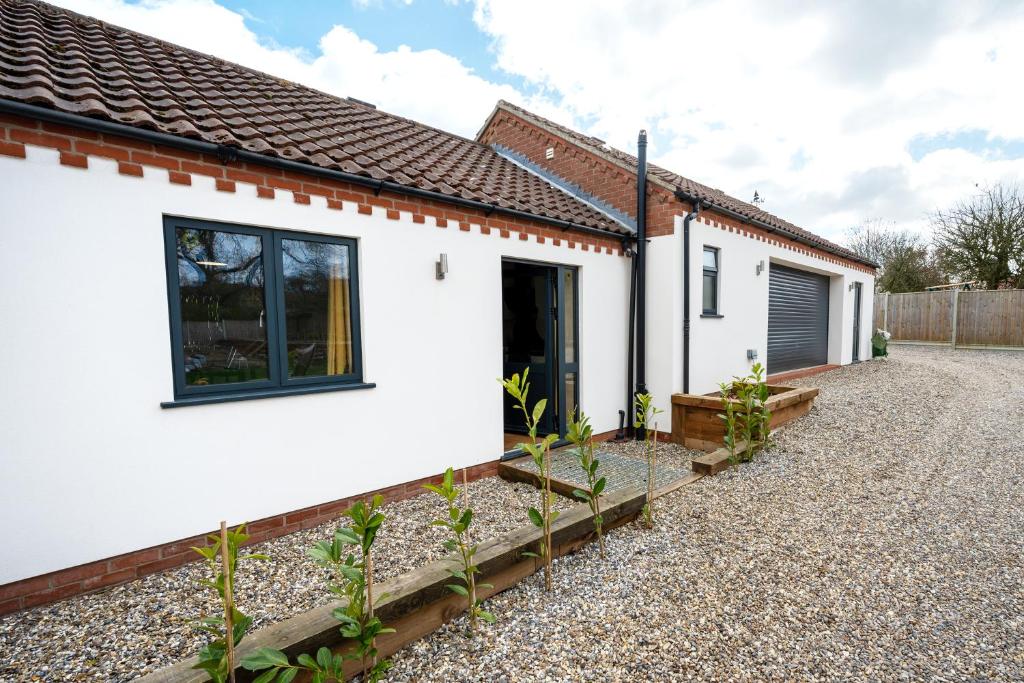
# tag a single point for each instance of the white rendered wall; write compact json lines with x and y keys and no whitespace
{"x":718,"y":346}
{"x":88,"y":456}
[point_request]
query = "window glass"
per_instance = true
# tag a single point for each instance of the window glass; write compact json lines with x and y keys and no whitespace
{"x":711,"y":258}
{"x":223,"y":312}
{"x":317,"y":308}
{"x":571,"y":399}
{"x":569,"y":308}
{"x":710,"y":295}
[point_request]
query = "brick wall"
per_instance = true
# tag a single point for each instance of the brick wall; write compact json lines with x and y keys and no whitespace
{"x":599,"y":177}
{"x":616,"y":186}
{"x":58,"y":585}
{"x":136,"y":158}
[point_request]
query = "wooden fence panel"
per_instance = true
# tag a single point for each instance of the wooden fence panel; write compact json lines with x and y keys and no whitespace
{"x":879,"y":315}
{"x":983,"y":318}
{"x":992,"y":318}
{"x":921,"y":316}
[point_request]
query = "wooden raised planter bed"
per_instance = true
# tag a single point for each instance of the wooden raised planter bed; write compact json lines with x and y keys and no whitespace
{"x":695,"y":421}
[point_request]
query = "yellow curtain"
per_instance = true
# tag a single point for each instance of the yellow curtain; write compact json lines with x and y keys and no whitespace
{"x":339,"y":323}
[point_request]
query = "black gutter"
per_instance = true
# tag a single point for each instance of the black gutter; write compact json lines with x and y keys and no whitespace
{"x":641,"y":270}
{"x":226,"y":154}
{"x":686,"y":295}
{"x":693,"y":200}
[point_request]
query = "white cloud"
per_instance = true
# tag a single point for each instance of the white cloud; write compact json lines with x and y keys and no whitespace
{"x":813,"y":105}
{"x":735,"y":90}
{"x":426,"y":85}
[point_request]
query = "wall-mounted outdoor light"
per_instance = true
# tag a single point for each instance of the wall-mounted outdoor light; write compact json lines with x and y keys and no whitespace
{"x":442,"y":266}
{"x":760,"y":267}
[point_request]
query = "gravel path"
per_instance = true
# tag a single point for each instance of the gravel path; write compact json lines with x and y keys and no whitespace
{"x":125,"y":631}
{"x":881,"y":540}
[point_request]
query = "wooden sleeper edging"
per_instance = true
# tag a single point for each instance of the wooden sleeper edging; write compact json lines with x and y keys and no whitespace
{"x":417,"y":602}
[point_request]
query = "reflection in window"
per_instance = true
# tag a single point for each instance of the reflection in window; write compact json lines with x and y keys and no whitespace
{"x":710,"y":296}
{"x":317,"y":306}
{"x":569,"y":306}
{"x":223,"y":314}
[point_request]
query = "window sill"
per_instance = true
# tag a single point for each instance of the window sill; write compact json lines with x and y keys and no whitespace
{"x":264,"y":393}
{"x":711,"y":315}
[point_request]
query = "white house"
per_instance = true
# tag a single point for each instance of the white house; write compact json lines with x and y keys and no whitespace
{"x":230,"y":296}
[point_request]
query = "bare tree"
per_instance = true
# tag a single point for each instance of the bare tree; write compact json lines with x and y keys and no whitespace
{"x":871,"y":239}
{"x":982,"y":238}
{"x":906,"y":262}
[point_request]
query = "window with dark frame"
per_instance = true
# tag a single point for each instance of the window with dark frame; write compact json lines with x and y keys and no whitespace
{"x":258,"y":311}
{"x":710,"y":297}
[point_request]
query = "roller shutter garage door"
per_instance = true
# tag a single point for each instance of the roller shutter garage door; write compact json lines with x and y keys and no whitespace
{"x":797,"y":319}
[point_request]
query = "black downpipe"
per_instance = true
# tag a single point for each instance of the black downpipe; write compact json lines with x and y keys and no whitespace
{"x":641,"y":271}
{"x":629,"y":353}
{"x":686,"y":295}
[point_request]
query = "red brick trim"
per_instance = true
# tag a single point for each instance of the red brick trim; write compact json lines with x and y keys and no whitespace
{"x":134,"y":155}
{"x":179,"y":178}
{"x":729,"y":224}
{"x":58,"y":585}
{"x":125,"y":168}
{"x":72,"y":159}
{"x":12,"y":149}
{"x":783,"y":377}
{"x":615,"y":185}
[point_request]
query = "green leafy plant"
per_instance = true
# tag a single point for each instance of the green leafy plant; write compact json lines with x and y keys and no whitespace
{"x":880,"y":343}
{"x":747,"y":417}
{"x":519,"y":388}
{"x":729,"y":417}
{"x":745,"y":392}
{"x":458,"y":522}
{"x":351,"y":580}
{"x":763,"y":430}
{"x":221,"y":555}
{"x":645,"y":412}
{"x":581,"y":435}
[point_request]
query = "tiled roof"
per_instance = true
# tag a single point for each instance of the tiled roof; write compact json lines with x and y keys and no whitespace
{"x":54,"y":58}
{"x":674,"y":181}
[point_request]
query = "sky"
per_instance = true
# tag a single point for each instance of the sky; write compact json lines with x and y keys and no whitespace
{"x":835,"y":113}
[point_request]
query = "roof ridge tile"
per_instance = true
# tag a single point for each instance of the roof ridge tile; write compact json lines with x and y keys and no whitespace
{"x":109,"y":72}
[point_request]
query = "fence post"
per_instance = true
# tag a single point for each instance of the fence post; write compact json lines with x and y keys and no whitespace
{"x":885,"y":314}
{"x":956,"y":302}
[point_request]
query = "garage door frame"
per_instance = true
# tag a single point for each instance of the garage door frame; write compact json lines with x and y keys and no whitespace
{"x":798,"y":316}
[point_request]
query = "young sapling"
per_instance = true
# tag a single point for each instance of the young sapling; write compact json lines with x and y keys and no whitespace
{"x":351,"y":580}
{"x":729,"y":417}
{"x":748,"y":416}
{"x":581,"y":436}
{"x":519,"y":388}
{"x":645,"y":412}
{"x":764,"y":415}
{"x":458,"y":522}
{"x":217,"y":657}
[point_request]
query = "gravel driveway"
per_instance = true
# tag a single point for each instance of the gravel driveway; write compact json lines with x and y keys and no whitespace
{"x":883,"y":539}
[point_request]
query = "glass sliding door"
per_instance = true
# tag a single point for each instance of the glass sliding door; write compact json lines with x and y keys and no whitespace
{"x":540,"y":333}
{"x":569,"y":362}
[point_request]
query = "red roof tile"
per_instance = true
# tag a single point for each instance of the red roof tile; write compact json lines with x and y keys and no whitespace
{"x":674,"y":181}
{"x":56,"y":59}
